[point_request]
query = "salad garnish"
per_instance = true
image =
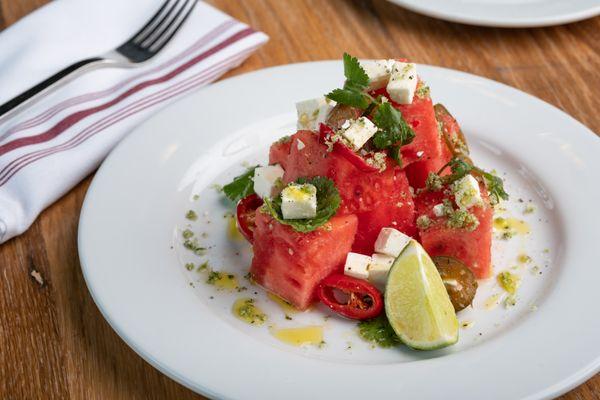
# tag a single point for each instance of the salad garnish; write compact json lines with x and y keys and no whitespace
{"x":241,"y":186}
{"x":328,"y":202}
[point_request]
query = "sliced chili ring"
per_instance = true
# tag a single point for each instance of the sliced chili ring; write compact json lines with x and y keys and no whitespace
{"x":245,"y":213}
{"x":362,"y":300}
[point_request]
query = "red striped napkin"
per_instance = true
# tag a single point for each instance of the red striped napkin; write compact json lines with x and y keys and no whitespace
{"x":49,"y":148}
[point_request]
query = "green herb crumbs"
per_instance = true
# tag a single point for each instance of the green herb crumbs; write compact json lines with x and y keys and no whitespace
{"x":510,"y":301}
{"x":196,"y":197}
{"x":248,"y":276}
{"x":378,"y":331}
{"x":424,"y":222}
{"x":288,"y":317}
{"x":529,"y":209}
{"x":241,"y":289}
{"x":423,"y":91}
{"x":509,"y":281}
{"x":189,"y":266}
{"x":241,"y":186}
{"x":433,"y":183}
{"x":461,"y":219}
{"x":187,"y":234}
{"x":194,"y":246}
{"x":250,"y":313}
{"x":216,"y":187}
{"x":506,"y":235}
{"x":203,"y":266}
{"x":328,"y":201}
{"x":284,"y":139}
{"x":191,"y":215}
{"x":213,"y":277}
{"x":460,"y":167}
{"x":321,"y":344}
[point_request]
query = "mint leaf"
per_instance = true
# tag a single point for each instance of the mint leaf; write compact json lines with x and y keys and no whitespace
{"x":378,"y":331}
{"x":495,"y":186}
{"x":393,"y":128}
{"x":241,"y":186}
{"x":356,"y":77}
{"x":353,"y":94}
{"x":328,"y":202}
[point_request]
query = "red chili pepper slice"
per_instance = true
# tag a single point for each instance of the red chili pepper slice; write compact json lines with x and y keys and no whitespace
{"x":363,"y":300}
{"x":325,"y":132}
{"x":245,"y":213}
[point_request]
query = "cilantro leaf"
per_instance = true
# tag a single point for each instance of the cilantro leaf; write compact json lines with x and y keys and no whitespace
{"x":349,"y":97}
{"x":241,"y":186}
{"x":393,"y":128}
{"x":378,"y":331}
{"x":328,"y":202}
{"x":495,"y":186}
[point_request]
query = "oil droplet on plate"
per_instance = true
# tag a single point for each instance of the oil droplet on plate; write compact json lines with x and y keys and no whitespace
{"x":300,"y":336}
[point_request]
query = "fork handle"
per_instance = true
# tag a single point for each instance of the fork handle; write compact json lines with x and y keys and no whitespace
{"x":33,"y":94}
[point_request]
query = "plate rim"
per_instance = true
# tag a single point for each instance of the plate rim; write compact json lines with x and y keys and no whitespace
{"x":559,"y":388}
{"x":491,"y":21}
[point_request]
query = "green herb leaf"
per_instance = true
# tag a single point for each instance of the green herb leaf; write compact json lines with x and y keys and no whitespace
{"x":356,"y":77}
{"x":241,"y":186}
{"x":350,"y":98}
{"x":378,"y":331}
{"x":495,"y":186}
{"x":393,"y":128}
{"x":328,"y":202}
{"x":357,"y":81}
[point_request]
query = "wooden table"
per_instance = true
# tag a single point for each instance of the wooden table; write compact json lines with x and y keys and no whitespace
{"x":53,"y":341}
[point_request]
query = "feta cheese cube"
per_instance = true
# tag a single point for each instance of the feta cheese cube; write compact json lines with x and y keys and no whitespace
{"x":391,"y":242}
{"x":299,"y":201}
{"x":378,"y":71}
{"x":313,"y":112}
{"x":357,"y":265}
{"x":403,"y":83}
{"x":379,"y":268}
{"x":357,"y":132}
{"x":466,"y":192}
{"x":439,"y":210}
{"x":266,"y":178}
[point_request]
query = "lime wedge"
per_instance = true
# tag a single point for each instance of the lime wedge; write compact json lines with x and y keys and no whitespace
{"x":416,"y":302}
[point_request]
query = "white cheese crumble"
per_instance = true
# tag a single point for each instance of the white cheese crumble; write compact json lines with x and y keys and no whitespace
{"x":391,"y":242}
{"x":466,"y":192}
{"x":357,"y":265}
{"x":379,"y":268}
{"x":313,"y":112}
{"x":358,"y":131}
{"x":378,"y":71}
{"x":299,"y":201}
{"x":403,"y":82}
{"x":265,"y":180}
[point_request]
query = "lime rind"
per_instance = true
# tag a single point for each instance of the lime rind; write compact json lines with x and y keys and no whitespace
{"x":417,"y":303}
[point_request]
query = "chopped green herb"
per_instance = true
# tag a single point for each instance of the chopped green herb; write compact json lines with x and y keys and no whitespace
{"x":191,"y":215}
{"x":378,"y":331}
{"x":193,"y":245}
{"x":203,"y":266}
{"x":328,"y":202}
{"x":423,"y":222}
{"x":196,"y":197}
{"x":422,"y":91}
{"x":462,"y":219}
{"x":433,"y":183}
{"x":393,"y":129}
{"x":189,"y":266}
{"x":187,"y":234}
{"x":241,"y":186}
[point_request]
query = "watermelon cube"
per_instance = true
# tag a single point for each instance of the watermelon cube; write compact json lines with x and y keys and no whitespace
{"x":291,"y":264}
{"x":473,"y":248}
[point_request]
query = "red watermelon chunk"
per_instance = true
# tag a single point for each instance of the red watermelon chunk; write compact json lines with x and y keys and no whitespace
{"x":420,"y":116}
{"x":379,"y":199}
{"x":291,"y":264}
{"x":473,"y":248}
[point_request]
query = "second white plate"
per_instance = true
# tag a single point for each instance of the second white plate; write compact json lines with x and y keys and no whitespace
{"x":506,"y":13}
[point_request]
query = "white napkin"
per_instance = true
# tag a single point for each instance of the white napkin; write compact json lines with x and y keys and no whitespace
{"x":49,"y":148}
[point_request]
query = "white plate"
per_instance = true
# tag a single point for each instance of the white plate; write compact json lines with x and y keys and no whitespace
{"x":506,"y":13}
{"x":132,"y":259}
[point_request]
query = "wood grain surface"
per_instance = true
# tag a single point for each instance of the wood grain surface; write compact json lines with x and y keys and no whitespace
{"x":54,"y":342}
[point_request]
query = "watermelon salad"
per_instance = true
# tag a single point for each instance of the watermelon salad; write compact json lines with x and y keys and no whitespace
{"x":372,"y":207}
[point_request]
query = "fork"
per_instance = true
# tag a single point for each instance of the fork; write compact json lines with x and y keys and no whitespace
{"x":141,"y":47}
